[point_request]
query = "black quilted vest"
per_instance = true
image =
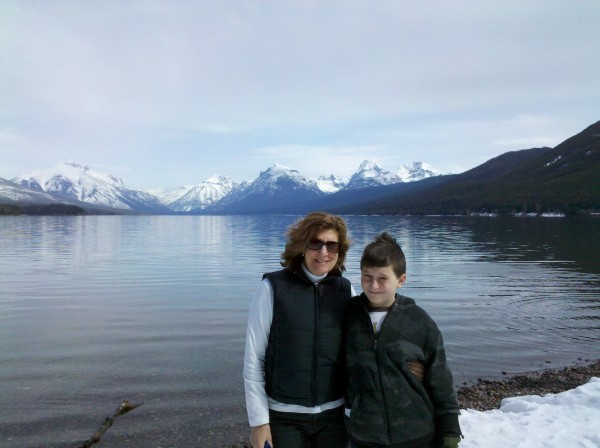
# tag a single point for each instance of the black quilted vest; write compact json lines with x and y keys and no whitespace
{"x":304,"y":362}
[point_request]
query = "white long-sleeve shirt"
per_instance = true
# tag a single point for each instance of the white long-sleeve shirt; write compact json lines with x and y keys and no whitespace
{"x":260,"y":316}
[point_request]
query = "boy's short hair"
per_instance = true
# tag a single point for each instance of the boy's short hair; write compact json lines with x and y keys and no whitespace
{"x":384,"y":251}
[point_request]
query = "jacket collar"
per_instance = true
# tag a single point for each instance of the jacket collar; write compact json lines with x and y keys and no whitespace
{"x":400,"y":302}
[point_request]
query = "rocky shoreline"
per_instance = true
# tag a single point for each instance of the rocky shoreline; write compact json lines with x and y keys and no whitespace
{"x":485,"y":395}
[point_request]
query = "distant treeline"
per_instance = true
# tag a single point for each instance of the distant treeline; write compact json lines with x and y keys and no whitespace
{"x":41,"y":209}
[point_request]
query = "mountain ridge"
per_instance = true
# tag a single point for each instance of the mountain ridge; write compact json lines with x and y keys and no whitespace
{"x":77,"y":182}
{"x":73,"y":181}
{"x":562,"y":179}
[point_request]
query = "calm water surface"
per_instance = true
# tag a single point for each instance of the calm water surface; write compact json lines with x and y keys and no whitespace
{"x":94,"y":310}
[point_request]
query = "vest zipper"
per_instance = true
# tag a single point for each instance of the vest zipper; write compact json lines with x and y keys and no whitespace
{"x":314,"y":387}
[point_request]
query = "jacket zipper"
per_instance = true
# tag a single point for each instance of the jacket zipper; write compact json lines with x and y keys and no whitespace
{"x":315,"y":392}
{"x":380,"y":378}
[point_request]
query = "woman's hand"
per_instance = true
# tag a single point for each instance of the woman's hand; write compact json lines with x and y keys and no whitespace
{"x":260,"y":434}
{"x":417,"y":369}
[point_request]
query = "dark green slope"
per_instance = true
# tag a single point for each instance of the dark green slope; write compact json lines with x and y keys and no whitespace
{"x":562,"y":179}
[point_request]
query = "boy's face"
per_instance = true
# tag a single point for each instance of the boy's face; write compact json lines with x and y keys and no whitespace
{"x":380,"y":284}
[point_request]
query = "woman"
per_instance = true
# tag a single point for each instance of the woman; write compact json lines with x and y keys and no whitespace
{"x":293,"y":367}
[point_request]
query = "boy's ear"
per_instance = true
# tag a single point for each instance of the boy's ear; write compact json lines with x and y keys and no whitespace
{"x":401,"y":280}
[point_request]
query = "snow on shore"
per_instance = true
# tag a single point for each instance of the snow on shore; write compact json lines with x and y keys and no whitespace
{"x":568,"y":419}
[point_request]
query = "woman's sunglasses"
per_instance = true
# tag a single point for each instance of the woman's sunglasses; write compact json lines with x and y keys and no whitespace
{"x":331,"y":246}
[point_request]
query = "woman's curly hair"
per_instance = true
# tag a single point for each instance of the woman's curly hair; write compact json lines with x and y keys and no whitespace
{"x":302,"y":232}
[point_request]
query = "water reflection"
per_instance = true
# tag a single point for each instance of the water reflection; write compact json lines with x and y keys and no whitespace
{"x":95,"y":309}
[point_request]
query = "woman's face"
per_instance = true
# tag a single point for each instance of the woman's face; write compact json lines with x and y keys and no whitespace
{"x":320,"y":262}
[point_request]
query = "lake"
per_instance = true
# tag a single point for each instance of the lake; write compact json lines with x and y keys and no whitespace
{"x":98,"y":309}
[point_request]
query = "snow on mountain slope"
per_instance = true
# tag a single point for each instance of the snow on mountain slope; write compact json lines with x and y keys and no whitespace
{"x":413,"y":171}
{"x":277,"y":187}
{"x":12,"y":192}
{"x":276,"y":176}
{"x":169,"y":195}
{"x":331,"y":183}
{"x":73,"y":180}
{"x":369,"y":174}
{"x":76,"y":181}
{"x":200,"y":196}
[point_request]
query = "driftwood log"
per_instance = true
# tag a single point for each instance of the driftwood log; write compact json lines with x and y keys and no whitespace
{"x":123,"y":408}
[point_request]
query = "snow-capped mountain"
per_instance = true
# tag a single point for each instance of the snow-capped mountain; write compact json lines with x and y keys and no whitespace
{"x":235,"y":195}
{"x":331,"y":183}
{"x":221,"y":192}
{"x":204,"y":194}
{"x":13,"y":193}
{"x":278,"y":176}
{"x":277,"y":188}
{"x":413,"y":171}
{"x":369,"y":174}
{"x":281,"y":189}
{"x":168,"y":195}
{"x":76,"y":181}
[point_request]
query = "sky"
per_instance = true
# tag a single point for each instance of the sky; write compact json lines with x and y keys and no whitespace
{"x":169,"y":93}
{"x":568,"y":419}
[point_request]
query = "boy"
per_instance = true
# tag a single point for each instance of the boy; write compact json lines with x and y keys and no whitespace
{"x":386,"y":406}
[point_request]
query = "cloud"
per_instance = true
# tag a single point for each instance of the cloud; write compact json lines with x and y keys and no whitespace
{"x":152,"y":84}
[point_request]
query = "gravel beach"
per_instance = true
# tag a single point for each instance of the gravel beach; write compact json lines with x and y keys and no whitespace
{"x":485,"y":395}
